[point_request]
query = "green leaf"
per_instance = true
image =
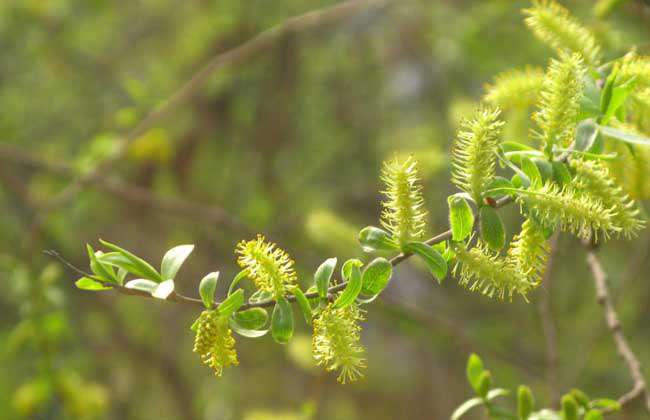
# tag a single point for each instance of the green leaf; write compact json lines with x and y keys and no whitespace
{"x":545,"y":168}
{"x":137,"y":265}
{"x":251,"y":319}
{"x":491,"y":226}
{"x":376,"y":276}
{"x":323,"y":276}
{"x":260,"y":296}
{"x":101,"y":270}
{"x":465,"y":407}
{"x":86,"y":283}
{"x":163,"y":290}
{"x":372,"y":239}
{"x":434,"y":260}
{"x":581,"y":398}
{"x":496,"y":393}
{"x":207,"y":287}
{"x":525,"y":402}
{"x":586,"y":134}
{"x":282,"y":321}
{"x":496,"y":184}
{"x":352,"y":273}
{"x":485,"y":383}
{"x":303,"y":303}
{"x":616,"y":134}
{"x":232,"y":303}
{"x":245,"y":332}
{"x":590,"y":100}
{"x":531,"y":171}
{"x":173,"y":260}
{"x":569,"y":408}
{"x":143,"y":285}
{"x":594,"y":415}
{"x":474,"y":371}
{"x":619,"y":95}
{"x":461,"y":218}
{"x":561,"y":173}
{"x":605,"y":404}
{"x":606,"y":93}
{"x":239,"y":277}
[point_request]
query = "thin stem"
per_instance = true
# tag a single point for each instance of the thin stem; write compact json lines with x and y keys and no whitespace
{"x":639,"y":387}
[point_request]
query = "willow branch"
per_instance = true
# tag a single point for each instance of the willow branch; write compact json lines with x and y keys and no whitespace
{"x":639,"y":387}
{"x":236,"y":56}
{"x":179,"y":298}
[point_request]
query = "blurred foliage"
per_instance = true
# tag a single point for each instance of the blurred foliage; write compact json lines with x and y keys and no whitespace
{"x":290,"y":144}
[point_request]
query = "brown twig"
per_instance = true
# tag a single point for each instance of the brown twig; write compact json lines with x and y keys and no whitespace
{"x":639,"y":387}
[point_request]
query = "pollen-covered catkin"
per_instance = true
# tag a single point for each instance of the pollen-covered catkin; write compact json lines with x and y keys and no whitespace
{"x":554,"y":25}
{"x":336,"y":343}
{"x":474,"y":152}
{"x":481,"y":270}
{"x":559,"y":102}
{"x":569,"y":210}
{"x":214,"y":342}
{"x":268,"y":266}
{"x":403,"y":212}
{"x":529,"y":250}
{"x":593,"y":178}
{"x":515,"y":88}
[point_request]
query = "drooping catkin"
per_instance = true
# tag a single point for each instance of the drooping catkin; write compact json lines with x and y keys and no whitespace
{"x":336,"y":342}
{"x":481,"y":270}
{"x":593,"y":178}
{"x":214,"y":342}
{"x":529,"y":250}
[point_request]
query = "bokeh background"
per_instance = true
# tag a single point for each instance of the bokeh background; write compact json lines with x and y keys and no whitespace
{"x":288,"y":143}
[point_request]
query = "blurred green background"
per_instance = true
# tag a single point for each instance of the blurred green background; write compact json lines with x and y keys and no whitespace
{"x":289,"y":144}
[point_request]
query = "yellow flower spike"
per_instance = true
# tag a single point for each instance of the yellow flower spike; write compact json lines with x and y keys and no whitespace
{"x":336,"y":341}
{"x":403,"y":212}
{"x":515,"y":88}
{"x":529,"y":250}
{"x":214,"y":342}
{"x":268,"y":266}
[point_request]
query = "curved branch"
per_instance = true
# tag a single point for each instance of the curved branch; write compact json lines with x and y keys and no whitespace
{"x":639,"y":387}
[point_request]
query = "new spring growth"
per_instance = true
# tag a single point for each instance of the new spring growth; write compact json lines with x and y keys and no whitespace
{"x":529,"y":250}
{"x":403,"y":212}
{"x":515,"y":88}
{"x":214,"y":342}
{"x":559,"y":102}
{"x":270,"y":267}
{"x":474,"y":152}
{"x":336,"y":341}
{"x":480,"y":270}
{"x":569,"y":210}
{"x":555,"y":26}
{"x":594,"y":179}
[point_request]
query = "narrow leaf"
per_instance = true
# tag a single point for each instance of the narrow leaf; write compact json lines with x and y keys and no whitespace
{"x":373,"y":238}
{"x":86,"y":283}
{"x":173,"y":260}
{"x":303,"y":303}
{"x":353,"y":288}
{"x":376,"y":276}
{"x":465,"y":407}
{"x":245,"y":332}
{"x":461,"y":218}
{"x":616,"y":134}
{"x":143,"y":285}
{"x":492,"y":229}
{"x":474,"y":370}
{"x":323,"y":276}
{"x":163,"y":290}
{"x":232,"y":303}
{"x":282,"y":321}
{"x":251,"y":319}
{"x":140,"y":267}
{"x":207,"y":287}
{"x":434,"y":260}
